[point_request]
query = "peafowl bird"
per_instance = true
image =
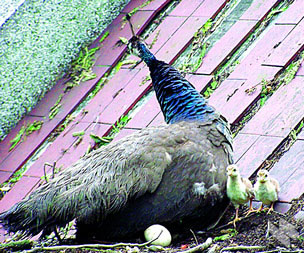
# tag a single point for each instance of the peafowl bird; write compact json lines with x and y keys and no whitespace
{"x":172,"y":174}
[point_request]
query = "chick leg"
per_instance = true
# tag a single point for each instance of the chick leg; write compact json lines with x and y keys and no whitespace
{"x":236,"y":218}
{"x":251,"y":210}
{"x":271,"y":208}
{"x":260,"y":209}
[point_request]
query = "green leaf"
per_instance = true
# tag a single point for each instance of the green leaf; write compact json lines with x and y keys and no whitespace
{"x":81,"y":133}
{"x":17,"y":138}
{"x":106,"y":34}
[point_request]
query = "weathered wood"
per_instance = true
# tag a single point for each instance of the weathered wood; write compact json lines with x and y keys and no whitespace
{"x":17,"y":157}
{"x":4,"y":176}
{"x":226,"y":46}
{"x":107,"y":95}
{"x":281,"y":113}
{"x":241,"y":144}
{"x":186,"y":8}
{"x":18,"y":192}
{"x":249,"y":67}
{"x":180,"y":39}
{"x":293,"y":14}
{"x":259,"y":9}
{"x":231,"y":98}
{"x":209,"y":8}
{"x":289,"y":171}
{"x":284,"y":53}
{"x":256,"y":154}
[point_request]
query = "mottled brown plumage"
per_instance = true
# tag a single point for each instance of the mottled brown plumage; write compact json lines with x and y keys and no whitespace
{"x":159,"y":175}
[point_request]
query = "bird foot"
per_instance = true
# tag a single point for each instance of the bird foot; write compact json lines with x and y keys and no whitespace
{"x":234,"y":221}
{"x":251,"y":210}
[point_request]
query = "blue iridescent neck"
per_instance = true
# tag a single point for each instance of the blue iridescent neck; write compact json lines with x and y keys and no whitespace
{"x":145,"y":54}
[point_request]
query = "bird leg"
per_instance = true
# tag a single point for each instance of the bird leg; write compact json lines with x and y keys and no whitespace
{"x":260,"y":209}
{"x":251,"y":210}
{"x":271,"y":208}
{"x":236,"y":218}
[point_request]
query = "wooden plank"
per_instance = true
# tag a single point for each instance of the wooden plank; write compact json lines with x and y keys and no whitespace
{"x":125,"y":99}
{"x":146,"y":114}
{"x":124,"y":132}
{"x":186,"y":8}
{"x":4,"y":176}
{"x":209,"y":8}
{"x":289,"y":171}
{"x":281,"y":112}
{"x":259,"y":9}
{"x":75,"y":152}
{"x":158,"y":120}
{"x":165,"y":31}
{"x":293,"y":14}
{"x":242,"y":143}
{"x":231,"y":98}
{"x":152,"y":6}
{"x":56,"y":149}
{"x":257,"y":153}
{"x":18,"y":192}
{"x":180,"y":39}
{"x":107,"y":94}
{"x":250,"y":65}
{"x":288,"y":101}
{"x":284,"y":53}
{"x":226,"y":46}
{"x":16,"y":158}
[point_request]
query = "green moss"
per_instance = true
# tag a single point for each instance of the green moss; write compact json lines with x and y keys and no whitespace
{"x":25,"y":131}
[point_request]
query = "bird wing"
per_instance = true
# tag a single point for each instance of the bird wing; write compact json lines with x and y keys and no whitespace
{"x":276,"y":184}
{"x":249,"y":188}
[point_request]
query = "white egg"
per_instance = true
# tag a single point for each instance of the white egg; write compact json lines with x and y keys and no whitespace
{"x":156,"y":230}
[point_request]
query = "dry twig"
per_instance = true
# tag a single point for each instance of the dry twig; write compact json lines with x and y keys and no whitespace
{"x":200,"y":247}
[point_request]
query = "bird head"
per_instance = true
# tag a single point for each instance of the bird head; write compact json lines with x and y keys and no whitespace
{"x":263,"y":176}
{"x":232,"y":171}
{"x":135,"y":45}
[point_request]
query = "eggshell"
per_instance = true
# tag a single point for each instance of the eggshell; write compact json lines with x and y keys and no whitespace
{"x":153,"y":232}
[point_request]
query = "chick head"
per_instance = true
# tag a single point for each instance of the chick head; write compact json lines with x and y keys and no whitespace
{"x":263,"y":176}
{"x":232,"y":170}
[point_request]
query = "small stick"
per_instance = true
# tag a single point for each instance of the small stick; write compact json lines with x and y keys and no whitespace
{"x":91,"y":246}
{"x":199,"y":247}
{"x":53,"y":171}
{"x":44,"y":170}
{"x":196,"y":242}
{"x":241,"y":247}
{"x":128,"y":17}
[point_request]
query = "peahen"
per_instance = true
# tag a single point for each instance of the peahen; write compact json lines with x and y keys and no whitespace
{"x":172,"y":174}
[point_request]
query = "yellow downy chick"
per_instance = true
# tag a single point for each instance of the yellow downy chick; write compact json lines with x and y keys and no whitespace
{"x":239,"y":190}
{"x":266,"y":189}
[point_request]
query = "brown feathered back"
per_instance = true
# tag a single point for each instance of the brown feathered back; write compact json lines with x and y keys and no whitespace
{"x":157,"y":175}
